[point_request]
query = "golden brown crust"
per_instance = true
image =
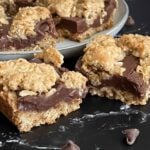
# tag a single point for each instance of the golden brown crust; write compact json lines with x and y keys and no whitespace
{"x":139,"y":45}
{"x":51,"y":55}
{"x":104,"y":53}
{"x":20,"y":74}
{"x":74,"y":79}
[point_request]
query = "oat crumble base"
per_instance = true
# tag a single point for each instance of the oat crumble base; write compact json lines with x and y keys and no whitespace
{"x":20,"y":74}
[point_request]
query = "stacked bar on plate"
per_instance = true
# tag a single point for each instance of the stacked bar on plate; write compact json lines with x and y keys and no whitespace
{"x":80,"y":19}
{"x":33,"y":93}
{"x":118,"y":68}
{"x":30,"y":24}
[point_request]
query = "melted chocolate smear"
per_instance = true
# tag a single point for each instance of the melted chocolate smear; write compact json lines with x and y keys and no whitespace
{"x":131,"y":81}
{"x":79,"y":25}
{"x":45,"y":26}
{"x":41,"y":102}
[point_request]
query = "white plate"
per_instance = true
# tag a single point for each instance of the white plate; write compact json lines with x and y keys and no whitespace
{"x":70,"y":48}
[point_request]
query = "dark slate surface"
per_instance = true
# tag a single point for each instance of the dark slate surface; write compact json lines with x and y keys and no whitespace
{"x":99,"y":122}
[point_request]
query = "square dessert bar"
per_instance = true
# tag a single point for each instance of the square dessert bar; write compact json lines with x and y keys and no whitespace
{"x":31,"y":28}
{"x":80,"y":19}
{"x":118,"y":68}
{"x":33,"y":93}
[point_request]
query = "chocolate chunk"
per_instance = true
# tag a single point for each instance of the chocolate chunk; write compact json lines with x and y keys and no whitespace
{"x":130,"y":21}
{"x":41,"y":102}
{"x":70,"y":145}
{"x":73,"y":24}
{"x":131,"y":135}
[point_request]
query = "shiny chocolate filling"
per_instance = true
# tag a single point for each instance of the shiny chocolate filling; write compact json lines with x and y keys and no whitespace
{"x":42,"y":102}
{"x":131,"y":81}
{"x":79,"y":25}
{"x":41,"y":28}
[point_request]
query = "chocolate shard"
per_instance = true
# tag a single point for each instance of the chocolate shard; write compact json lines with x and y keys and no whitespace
{"x":131,"y":135}
{"x":70,"y":145}
{"x":130,"y":21}
{"x":137,"y":84}
{"x":73,"y":24}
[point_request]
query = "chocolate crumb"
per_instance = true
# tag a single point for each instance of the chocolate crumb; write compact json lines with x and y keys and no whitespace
{"x":131,"y":135}
{"x":70,"y":145}
{"x":130,"y":21}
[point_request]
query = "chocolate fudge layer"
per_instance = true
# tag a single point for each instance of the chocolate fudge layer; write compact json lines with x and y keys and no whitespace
{"x":118,"y":68}
{"x":81,"y":18}
{"x":33,"y":94}
{"x":32,"y":28}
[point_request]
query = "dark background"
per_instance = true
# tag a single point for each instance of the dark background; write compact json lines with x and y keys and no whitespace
{"x":99,"y":122}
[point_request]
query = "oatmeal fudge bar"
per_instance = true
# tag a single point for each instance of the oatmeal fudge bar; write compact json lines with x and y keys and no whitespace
{"x":36,"y":93}
{"x":118,"y":68}
{"x":32,"y":28}
{"x":80,"y":19}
